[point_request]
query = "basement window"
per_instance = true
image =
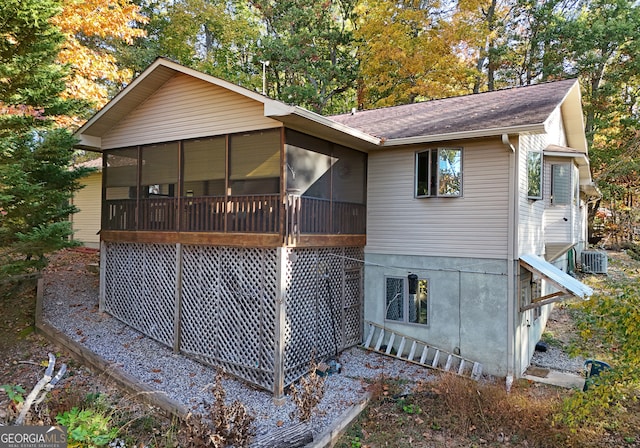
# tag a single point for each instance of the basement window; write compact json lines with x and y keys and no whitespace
{"x":400,"y":306}
{"x":439,"y":173}
{"x":530,"y":290}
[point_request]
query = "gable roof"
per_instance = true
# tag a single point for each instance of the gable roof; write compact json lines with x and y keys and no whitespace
{"x":162,"y":70}
{"x":497,"y":113}
{"x":518,"y":109}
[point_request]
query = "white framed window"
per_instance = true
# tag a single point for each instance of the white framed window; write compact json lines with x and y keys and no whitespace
{"x":534,"y":175}
{"x":402,"y":305}
{"x":438,"y":173}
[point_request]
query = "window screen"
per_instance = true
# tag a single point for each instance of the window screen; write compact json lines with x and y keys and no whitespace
{"x":121,"y":174}
{"x":561,"y":184}
{"x":204,"y":167}
{"x":159,"y":170}
{"x":404,"y":307}
{"x":395,"y":299}
{"x":255,"y":163}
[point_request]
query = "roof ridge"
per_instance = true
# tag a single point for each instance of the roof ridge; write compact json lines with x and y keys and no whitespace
{"x":466,"y":95}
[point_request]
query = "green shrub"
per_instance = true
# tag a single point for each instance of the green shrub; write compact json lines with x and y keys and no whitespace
{"x":87,"y":428}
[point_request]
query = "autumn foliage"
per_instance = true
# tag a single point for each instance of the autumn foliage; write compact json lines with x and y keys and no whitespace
{"x":89,"y":27}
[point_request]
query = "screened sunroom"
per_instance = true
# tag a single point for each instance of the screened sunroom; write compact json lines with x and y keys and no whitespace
{"x":240,"y":250}
{"x":270,"y":182}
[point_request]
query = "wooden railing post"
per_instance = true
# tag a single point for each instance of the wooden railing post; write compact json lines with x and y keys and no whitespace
{"x":177,"y":312}
{"x":103,"y":277}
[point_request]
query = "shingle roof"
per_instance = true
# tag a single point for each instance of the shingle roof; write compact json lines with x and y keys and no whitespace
{"x":93,"y":163}
{"x":518,"y":106}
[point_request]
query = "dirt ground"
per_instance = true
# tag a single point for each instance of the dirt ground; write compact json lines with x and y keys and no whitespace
{"x":416,"y":421}
{"x":24,"y":357}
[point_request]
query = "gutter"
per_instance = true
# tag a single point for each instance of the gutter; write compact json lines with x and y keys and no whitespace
{"x":512,"y":250}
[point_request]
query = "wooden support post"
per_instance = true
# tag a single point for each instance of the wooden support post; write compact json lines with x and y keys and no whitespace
{"x":278,"y":368}
{"x":178,"y":300}
{"x":103,"y":276}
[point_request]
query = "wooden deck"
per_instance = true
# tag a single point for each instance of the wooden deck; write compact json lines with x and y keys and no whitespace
{"x":261,"y":219}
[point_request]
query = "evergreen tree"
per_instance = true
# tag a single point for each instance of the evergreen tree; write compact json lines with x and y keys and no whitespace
{"x":36,"y":183}
{"x":311,"y":52}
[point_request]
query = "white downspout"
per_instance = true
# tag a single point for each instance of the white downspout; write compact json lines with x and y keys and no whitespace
{"x":512,"y":245}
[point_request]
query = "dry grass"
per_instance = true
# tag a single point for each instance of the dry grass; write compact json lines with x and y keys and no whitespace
{"x":454,"y":412}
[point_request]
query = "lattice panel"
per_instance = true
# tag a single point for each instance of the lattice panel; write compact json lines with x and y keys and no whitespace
{"x":140,"y":287}
{"x":228,"y":309}
{"x":330,"y":303}
{"x":353,"y":295}
{"x":323,"y":307}
{"x":301,"y":285}
{"x":352,"y":307}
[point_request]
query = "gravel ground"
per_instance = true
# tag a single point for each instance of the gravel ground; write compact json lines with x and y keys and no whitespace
{"x":70,"y":304}
{"x":557,"y":359}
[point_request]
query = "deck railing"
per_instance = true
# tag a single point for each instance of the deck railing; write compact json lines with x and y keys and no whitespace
{"x":247,"y":214}
{"x":322,"y":216}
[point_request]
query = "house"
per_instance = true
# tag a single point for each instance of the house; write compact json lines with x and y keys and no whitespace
{"x":253,"y":235}
{"x":483,"y":198}
{"x":86,"y":222}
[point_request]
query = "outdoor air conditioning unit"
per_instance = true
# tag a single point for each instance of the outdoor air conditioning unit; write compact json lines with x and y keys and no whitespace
{"x":594,"y":261}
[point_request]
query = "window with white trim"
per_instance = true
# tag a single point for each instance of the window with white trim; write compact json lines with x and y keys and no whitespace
{"x":403,"y":306}
{"x":561,"y":184}
{"x":438,"y":173}
{"x":534,"y":175}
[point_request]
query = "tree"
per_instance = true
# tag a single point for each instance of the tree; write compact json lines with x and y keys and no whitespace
{"x":213,"y":36}
{"x":406,"y":53}
{"x":35,"y":180}
{"x":601,"y":46}
{"x":311,"y":53}
{"x":92,"y":30}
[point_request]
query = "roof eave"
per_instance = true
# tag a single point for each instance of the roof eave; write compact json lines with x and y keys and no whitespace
{"x":336,"y":126}
{"x":573,"y":118}
{"x":312,"y":123}
{"x":464,"y":135}
{"x":580,"y":159}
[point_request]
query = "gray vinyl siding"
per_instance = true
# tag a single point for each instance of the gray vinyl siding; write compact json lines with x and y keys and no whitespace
{"x":531,"y":212}
{"x":475,"y":225}
{"x":186,"y":107}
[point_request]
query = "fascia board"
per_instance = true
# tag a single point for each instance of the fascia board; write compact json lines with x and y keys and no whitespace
{"x":273,"y":110}
{"x":89,"y":142}
{"x":581,"y":160}
{"x":177,"y":68}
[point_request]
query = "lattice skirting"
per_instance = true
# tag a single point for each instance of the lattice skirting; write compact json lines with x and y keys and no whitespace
{"x":221,"y":305}
{"x":323,"y":305}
